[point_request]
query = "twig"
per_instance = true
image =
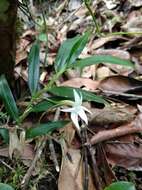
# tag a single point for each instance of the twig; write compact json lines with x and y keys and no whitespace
{"x":124,"y":33}
{"x":5,"y":164}
{"x":40,"y":148}
{"x":122,"y":94}
{"x":68,"y":18}
{"x":93,"y":16}
{"x":27,"y":176}
{"x":85,"y":159}
{"x":51,"y":145}
{"x":95,"y":168}
{"x":113,"y":133}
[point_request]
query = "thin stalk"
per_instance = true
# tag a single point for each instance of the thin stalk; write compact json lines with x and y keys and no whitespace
{"x":93,"y":16}
{"x":124,"y":33}
{"x":46,"y":32}
{"x":38,"y":95}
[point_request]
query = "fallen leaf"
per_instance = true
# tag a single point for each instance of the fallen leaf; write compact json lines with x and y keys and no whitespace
{"x":87,"y":84}
{"x":15,"y":146}
{"x":103,"y":40}
{"x":103,"y":72}
{"x":28,"y":152}
{"x":119,"y":84}
{"x":112,"y":115}
{"x":126,"y":155}
{"x":70,"y":177}
{"x":123,"y":54}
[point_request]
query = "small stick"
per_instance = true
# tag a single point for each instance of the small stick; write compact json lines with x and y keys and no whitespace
{"x":68,"y":18}
{"x":112,"y":133}
{"x":51,"y":144}
{"x":122,"y":94}
{"x":85,"y":159}
{"x":27,"y":176}
{"x":95,"y":168}
{"x":40,"y":148}
{"x":5,"y":164}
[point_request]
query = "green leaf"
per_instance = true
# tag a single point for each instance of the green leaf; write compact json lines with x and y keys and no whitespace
{"x":68,"y":93}
{"x":44,"y":106}
{"x":101,"y":59}
{"x":43,"y":37}
{"x":43,"y":129}
{"x":4,"y":186}
{"x":69,"y":51}
{"x":34,"y":64}
{"x":5,"y":134}
{"x":7,"y":98}
{"x":121,"y":185}
{"x":4,"y":5}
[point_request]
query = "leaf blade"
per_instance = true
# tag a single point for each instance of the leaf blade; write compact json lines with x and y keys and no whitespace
{"x":5,"y":134}
{"x":121,"y":185}
{"x":68,"y":93}
{"x":4,"y":186}
{"x":43,"y":129}
{"x":33,"y":69}
{"x":69,"y":51}
{"x":96,"y":59}
{"x":7,"y":98}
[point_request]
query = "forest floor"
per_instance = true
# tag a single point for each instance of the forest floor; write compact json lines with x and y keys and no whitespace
{"x":114,"y":151}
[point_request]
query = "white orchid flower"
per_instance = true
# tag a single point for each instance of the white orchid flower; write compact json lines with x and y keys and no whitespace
{"x":77,"y":110}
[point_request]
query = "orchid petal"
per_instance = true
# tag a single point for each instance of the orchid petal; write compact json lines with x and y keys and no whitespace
{"x":68,"y":109}
{"x":84,"y":108}
{"x":74,"y":118}
{"x":77,"y":98}
{"x":83,"y":115}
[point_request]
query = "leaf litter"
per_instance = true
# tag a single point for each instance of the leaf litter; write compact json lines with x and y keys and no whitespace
{"x":110,"y":126}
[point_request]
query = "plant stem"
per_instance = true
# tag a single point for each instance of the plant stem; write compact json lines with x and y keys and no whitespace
{"x":93,"y":16}
{"x":124,"y":33}
{"x":38,"y":95}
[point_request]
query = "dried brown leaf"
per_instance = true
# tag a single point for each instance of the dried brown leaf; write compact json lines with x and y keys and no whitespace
{"x":70,"y":177}
{"x":126,"y":155}
{"x":103,"y":40}
{"x":119,"y":83}
{"x":112,"y":115}
{"x":28,"y":152}
{"x":87,"y":84}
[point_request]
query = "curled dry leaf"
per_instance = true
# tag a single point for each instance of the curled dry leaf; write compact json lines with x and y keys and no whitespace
{"x":15,"y":146}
